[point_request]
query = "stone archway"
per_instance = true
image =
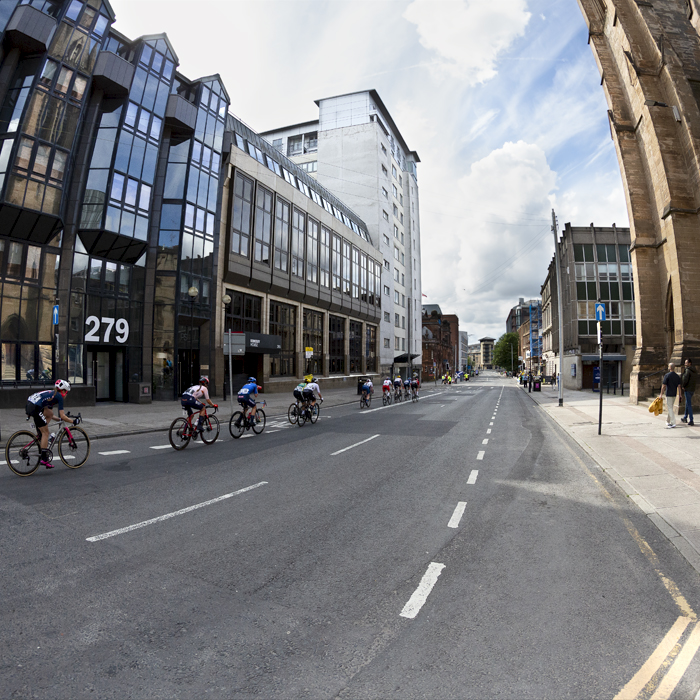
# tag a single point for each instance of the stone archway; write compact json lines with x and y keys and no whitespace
{"x":649,"y":59}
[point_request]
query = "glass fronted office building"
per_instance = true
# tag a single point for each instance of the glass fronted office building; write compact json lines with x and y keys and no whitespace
{"x":113,"y":170}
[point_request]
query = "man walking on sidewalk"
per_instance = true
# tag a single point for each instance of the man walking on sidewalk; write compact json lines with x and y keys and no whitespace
{"x":669,"y":387}
{"x":688,"y":381}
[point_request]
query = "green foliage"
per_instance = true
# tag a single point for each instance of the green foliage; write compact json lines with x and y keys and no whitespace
{"x":502,"y":351}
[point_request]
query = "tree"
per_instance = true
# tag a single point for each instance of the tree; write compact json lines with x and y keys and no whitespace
{"x":506,"y":348}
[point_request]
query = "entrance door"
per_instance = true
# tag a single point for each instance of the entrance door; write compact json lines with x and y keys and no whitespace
{"x":188,"y":368}
{"x":105,"y":370}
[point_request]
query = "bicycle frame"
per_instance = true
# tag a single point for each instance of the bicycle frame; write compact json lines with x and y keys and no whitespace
{"x":192,"y":429}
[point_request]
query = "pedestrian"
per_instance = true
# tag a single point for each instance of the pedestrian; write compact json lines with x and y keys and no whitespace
{"x":688,"y":381}
{"x":669,"y":387}
{"x":529,"y":383}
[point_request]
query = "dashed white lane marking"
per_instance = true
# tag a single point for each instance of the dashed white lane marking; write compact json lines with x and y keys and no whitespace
{"x":400,"y":403}
{"x":68,"y":456}
{"x":245,"y":436}
{"x":362,"y":442}
{"x":160,"y":447}
{"x":491,"y":423}
{"x":485,"y":441}
{"x":420,"y":595}
{"x":488,"y":432}
{"x":115,"y":452}
{"x":160,"y":518}
{"x":13,"y":461}
{"x":472,"y":476}
{"x":457,"y":515}
{"x":481,"y":454}
{"x":269,"y":432}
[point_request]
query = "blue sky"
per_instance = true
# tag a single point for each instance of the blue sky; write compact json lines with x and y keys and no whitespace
{"x":501,"y":100}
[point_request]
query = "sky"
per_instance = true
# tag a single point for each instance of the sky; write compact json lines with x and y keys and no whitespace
{"x":500,"y":98}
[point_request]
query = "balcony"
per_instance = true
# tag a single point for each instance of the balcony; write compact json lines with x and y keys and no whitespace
{"x":30,"y":30}
{"x":113,"y":75}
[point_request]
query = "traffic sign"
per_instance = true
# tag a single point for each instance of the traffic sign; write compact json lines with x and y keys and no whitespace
{"x":234,"y":343}
{"x":600,"y":312}
{"x":55,"y":315}
{"x":309,"y":353}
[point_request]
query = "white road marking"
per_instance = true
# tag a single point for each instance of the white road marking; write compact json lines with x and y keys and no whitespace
{"x":160,"y":447}
{"x":481,"y":454}
{"x":269,"y":432}
{"x":472,"y":476}
{"x":491,"y":423}
{"x":68,"y":456}
{"x":345,"y":449}
{"x":485,"y":441}
{"x":420,"y":595}
{"x":14,"y":461}
{"x":400,"y":403}
{"x":160,"y":518}
{"x":245,"y":436}
{"x":488,"y":432}
{"x":457,"y":515}
{"x":115,"y":452}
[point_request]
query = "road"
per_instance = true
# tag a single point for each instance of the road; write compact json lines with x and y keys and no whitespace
{"x":469,"y":550}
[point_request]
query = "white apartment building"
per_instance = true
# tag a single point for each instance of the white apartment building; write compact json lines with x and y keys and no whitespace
{"x":356,"y":151}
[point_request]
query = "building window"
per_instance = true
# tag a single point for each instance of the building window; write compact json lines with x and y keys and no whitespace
{"x":387,"y":343}
{"x":313,"y":338}
{"x":311,"y":142}
{"x":393,"y":170}
{"x":336,"y":344}
{"x":383,"y":148}
{"x":395,"y":191}
{"x":386,"y":290}
{"x":312,"y":251}
{"x":355,"y":347}
{"x":346,"y":268}
{"x":385,"y":172}
{"x":371,"y":348}
{"x":283,"y":324}
{"x":310,"y":167}
{"x":281,"y":235}
{"x":397,"y":343}
{"x":386,"y":239}
{"x":387,"y":317}
{"x":244,"y":313}
{"x":336,"y":263}
{"x":396,"y":274}
{"x":396,"y":320}
{"x":294,"y":145}
{"x":403,"y":322}
{"x":385,"y":193}
{"x":277,"y":143}
{"x":397,"y":297}
{"x":355,"y":273}
{"x":297,"y":243}
{"x":325,"y":260}
{"x":242,"y":210}
{"x":396,"y":231}
{"x":396,"y":211}
{"x":263,"y":225}
{"x":385,"y":215}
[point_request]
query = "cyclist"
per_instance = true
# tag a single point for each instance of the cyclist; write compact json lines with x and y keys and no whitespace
{"x":367,"y":388}
{"x":39,"y":407}
{"x":386,"y":386}
{"x":398,"y":384}
{"x":415,"y":383}
{"x":310,"y":391}
{"x":299,"y":390}
{"x":406,"y":387}
{"x":246,"y":397}
{"x":190,"y":401}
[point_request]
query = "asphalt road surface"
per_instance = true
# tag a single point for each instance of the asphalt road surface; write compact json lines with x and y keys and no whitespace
{"x":458,"y":547}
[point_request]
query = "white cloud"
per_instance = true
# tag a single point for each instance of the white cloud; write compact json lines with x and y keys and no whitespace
{"x":468,"y":35}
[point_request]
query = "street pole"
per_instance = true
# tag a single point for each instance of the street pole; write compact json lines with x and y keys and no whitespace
{"x":559,"y":305}
{"x":600,"y":378}
{"x":230,"y":371}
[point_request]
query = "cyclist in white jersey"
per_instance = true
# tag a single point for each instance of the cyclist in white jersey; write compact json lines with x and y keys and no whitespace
{"x":310,"y":390}
{"x":190,"y":400}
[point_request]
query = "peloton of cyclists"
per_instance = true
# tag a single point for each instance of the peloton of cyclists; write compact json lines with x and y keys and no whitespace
{"x":246,"y":397}
{"x":39,"y":407}
{"x":191,"y":401}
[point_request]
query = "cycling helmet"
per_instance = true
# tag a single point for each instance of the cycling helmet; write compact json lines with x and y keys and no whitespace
{"x":253,"y":380}
{"x":62,"y":385}
{"x":314,"y":379}
{"x":204,"y":380}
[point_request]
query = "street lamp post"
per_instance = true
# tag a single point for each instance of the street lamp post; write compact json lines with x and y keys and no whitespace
{"x":192,"y":292}
{"x":226,"y":299}
{"x":559,"y":306}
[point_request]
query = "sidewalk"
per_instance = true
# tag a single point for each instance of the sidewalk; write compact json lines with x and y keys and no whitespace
{"x":658,"y":469}
{"x":116,"y":419}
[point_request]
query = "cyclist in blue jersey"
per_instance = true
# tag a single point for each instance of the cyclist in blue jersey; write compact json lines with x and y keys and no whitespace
{"x":39,"y":407}
{"x":247,"y":395}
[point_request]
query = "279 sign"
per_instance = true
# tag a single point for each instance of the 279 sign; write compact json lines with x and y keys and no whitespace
{"x":121,"y":329}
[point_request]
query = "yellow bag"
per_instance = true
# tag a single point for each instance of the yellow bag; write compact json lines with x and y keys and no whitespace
{"x":657,"y":406}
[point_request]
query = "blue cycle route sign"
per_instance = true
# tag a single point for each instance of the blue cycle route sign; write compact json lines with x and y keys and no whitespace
{"x":600,"y":312}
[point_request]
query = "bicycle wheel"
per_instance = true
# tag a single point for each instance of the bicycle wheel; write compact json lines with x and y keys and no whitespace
{"x":236,"y":425}
{"x":259,"y":424}
{"x":179,"y":433}
{"x":314,"y":413}
{"x":302,"y":417}
{"x":74,"y":449}
{"x":210,"y":430}
{"x":368,"y":400}
{"x":385,"y":400}
{"x":23,"y":453}
{"x":293,"y":413}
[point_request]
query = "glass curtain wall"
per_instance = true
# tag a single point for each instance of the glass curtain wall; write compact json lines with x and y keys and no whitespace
{"x":355,"y":347}
{"x":283,"y":323}
{"x":313,"y":338}
{"x":336,"y":344}
{"x":371,"y":348}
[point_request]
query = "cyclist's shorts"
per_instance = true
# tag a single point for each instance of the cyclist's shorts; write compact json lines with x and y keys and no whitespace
{"x":37,"y":413}
{"x":367,"y":388}
{"x":246,"y":401}
{"x":386,"y":387}
{"x":308,"y":394}
{"x":189,"y":402}
{"x":297,"y":395}
{"x":414,"y":385}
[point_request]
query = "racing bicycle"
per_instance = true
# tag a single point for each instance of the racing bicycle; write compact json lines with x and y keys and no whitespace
{"x":365,"y":400}
{"x":23,"y":449}
{"x":182,"y":430}
{"x":387,"y":398}
{"x":308,"y":413}
{"x":239,"y":422}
